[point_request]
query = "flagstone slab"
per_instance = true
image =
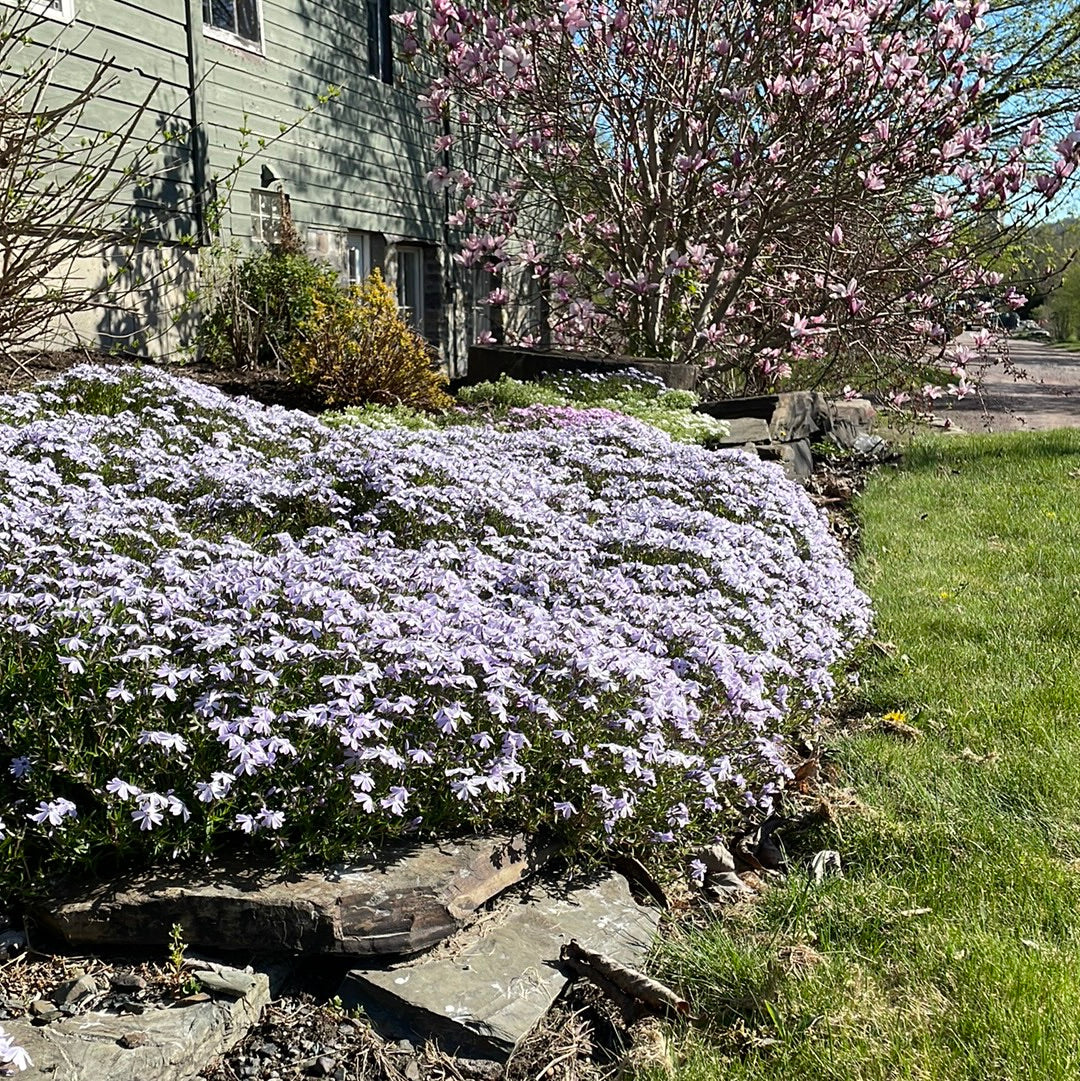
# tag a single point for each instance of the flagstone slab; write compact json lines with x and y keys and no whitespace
{"x":483,"y":992}
{"x":742,"y":430}
{"x":173,"y":1044}
{"x":399,"y":903}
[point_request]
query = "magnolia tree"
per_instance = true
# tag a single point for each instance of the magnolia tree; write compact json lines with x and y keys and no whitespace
{"x":759,"y":188}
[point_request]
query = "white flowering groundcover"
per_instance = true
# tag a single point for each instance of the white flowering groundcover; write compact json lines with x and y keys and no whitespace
{"x":224,"y":625}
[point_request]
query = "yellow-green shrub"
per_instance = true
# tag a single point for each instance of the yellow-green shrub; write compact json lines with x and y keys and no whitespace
{"x":358,"y":349}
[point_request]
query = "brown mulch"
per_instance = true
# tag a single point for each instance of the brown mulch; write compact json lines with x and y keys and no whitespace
{"x":262,"y":385}
{"x":118,"y":984}
{"x":300,"y":1037}
{"x":24,"y":369}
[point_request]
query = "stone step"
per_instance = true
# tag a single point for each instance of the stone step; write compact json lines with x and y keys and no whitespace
{"x":398,"y":904}
{"x":742,"y":430}
{"x":170,"y":1044}
{"x":482,"y":992}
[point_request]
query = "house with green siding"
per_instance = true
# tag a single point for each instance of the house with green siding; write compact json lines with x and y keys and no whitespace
{"x":238,"y":86}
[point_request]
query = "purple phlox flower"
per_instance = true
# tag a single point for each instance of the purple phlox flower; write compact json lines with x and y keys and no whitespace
{"x":12,"y":1055}
{"x":397,"y":799}
{"x":565,"y":809}
{"x":122,"y":789}
{"x":19,"y":767}
{"x":448,"y":717}
{"x":362,"y":781}
{"x":247,"y":823}
{"x":216,"y":788}
{"x":54,"y":812}
{"x":167,"y":741}
{"x":465,"y":784}
{"x":150,"y":810}
{"x":271,"y":820}
{"x":120,"y":691}
{"x":697,"y":872}
{"x":177,"y":807}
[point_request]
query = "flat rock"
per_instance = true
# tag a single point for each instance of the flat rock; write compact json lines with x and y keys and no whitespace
{"x":800,"y":414}
{"x":482,"y":993}
{"x":174,"y":1044}
{"x":762,"y":405}
{"x":850,"y":419}
{"x":743,"y":430}
{"x":797,"y":459}
{"x":400,"y":903}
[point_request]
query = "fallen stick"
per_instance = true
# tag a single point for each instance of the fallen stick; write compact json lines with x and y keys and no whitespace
{"x":627,"y":981}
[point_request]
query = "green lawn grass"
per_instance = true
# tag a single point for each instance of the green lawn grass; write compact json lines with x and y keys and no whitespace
{"x":951,"y":948}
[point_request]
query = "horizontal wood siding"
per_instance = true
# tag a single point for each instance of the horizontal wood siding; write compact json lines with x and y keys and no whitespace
{"x":146,"y":53}
{"x":357,"y":162}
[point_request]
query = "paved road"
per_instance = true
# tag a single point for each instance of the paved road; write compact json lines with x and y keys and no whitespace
{"x":1048,"y":398}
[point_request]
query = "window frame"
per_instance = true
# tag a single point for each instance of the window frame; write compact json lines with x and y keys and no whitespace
{"x":47,"y":9}
{"x":231,"y":37}
{"x":257,"y":215}
{"x":380,"y":41}
{"x":480,"y":321}
{"x":358,"y":241}
{"x":413,"y":314}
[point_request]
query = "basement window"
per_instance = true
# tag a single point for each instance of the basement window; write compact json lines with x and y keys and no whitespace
{"x":410,"y":286}
{"x":268,"y":210}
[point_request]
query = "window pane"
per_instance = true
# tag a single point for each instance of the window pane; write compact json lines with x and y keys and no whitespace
{"x":359,"y":257}
{"x":223,"y":14}
{"x":247,"y":17}
{"x":387,"y":56}
{"x":373,"y":42}
{"x":410,"y":286}
{"x":380,"y":59}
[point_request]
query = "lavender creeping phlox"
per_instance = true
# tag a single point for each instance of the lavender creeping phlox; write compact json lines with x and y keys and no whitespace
{"x":13,"y":1058}
{"x":224,"y":623}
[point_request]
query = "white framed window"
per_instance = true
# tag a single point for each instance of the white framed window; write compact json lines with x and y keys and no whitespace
{"x":482,"y":284}
{"x":63,"y":11}
{"x":268,"y":210}
{"x":358,"y":262}
{"x":238,"y":22}
{"x":410,"y":285}
{"x":379,"y":41}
